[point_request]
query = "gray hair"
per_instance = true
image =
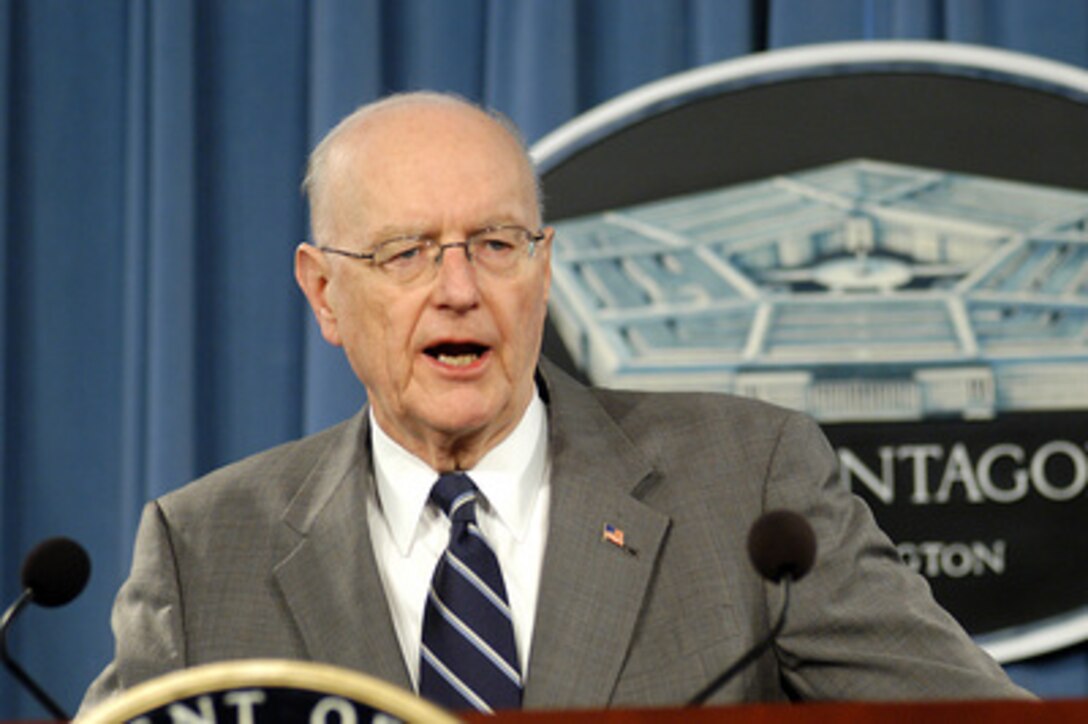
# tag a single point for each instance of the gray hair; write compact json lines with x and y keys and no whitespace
{"x":316,"y":165}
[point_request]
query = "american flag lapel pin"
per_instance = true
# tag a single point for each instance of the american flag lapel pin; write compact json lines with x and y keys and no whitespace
{"x":612,"y":534}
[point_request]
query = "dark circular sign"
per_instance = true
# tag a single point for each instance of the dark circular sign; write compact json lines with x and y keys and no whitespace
{"x":892,"y":237}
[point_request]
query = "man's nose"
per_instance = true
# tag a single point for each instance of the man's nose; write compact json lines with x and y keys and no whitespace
{"x":456,"y":283}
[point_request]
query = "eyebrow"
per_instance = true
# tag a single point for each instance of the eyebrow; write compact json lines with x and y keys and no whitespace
{"x":388,"y":233}
{"x":393,"y":233}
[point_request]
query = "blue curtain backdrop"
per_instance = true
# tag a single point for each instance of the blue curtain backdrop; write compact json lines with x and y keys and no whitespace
{"x":151,"y":156}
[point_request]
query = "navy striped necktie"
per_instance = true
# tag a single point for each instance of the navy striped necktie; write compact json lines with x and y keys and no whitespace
{"x":468,"y":659}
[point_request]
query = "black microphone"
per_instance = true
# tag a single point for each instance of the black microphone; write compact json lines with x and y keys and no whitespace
{"x":782,"y":547}
{"x":53,"y":574}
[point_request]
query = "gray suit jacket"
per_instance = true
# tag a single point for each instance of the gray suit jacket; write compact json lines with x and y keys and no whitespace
{"x":271,"y":557}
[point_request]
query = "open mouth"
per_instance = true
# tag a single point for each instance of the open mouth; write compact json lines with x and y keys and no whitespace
{"x":456,"y":354}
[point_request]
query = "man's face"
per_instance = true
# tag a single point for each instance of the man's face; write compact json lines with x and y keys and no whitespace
{"x":448,"y":360}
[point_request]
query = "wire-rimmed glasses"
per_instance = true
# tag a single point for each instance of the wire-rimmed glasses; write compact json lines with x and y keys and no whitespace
{"x":497,"y":250}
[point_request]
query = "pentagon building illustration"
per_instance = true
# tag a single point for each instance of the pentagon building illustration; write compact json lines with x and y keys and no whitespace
{"x":861,"y":290}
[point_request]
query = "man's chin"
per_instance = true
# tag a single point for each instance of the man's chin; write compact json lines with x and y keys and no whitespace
{"x":460,"y":416}
{"x":459,"y":423}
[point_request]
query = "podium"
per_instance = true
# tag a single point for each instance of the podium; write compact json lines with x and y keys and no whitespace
{"x":972,"y":712}
{"x":268,"y":691}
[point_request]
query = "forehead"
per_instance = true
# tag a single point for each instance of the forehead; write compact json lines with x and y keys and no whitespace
{"x":428,"y":165}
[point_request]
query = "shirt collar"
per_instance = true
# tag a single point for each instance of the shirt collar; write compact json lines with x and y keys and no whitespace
{"x":509,"y":476}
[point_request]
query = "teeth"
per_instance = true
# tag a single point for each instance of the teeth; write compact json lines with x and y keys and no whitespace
{"x":457,"y":360}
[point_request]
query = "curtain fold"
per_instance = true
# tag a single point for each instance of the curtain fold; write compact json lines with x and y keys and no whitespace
{"x":152,"y":154}
{"x":171,"y":162}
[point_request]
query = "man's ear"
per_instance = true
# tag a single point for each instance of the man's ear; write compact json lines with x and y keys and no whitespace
{"x":312,"y":274}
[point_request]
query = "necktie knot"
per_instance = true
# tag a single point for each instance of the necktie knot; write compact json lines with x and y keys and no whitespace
{"x":456,"y":494}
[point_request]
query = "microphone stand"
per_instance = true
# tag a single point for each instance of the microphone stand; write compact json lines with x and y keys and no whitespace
{"x":753,"y":653}
{"x":24,"y":678}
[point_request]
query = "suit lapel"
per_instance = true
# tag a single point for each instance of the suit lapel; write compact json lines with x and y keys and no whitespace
{"x":328,"y":575}
{"x":591,"y":589}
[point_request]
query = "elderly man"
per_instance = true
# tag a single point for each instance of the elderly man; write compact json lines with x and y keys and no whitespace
{"x":490,"y":532}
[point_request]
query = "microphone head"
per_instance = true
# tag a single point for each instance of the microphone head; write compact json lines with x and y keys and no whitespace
{"x":56,"y":571}
{"x":782,"y":543}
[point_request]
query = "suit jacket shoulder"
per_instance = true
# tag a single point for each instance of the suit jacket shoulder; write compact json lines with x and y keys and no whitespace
{"x":684,"y":476}
{"x":266,"y":482}
{"x":268,"y":557}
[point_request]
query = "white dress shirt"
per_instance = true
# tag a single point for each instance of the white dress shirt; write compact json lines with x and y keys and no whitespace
{"x":409,"y":535}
